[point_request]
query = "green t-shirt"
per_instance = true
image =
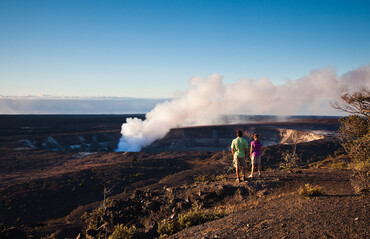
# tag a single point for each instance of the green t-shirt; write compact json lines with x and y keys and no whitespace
{"x":239,"y":145}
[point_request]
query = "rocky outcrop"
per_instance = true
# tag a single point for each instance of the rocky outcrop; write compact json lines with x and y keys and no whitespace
{"x":12,"y":233}
{"x":143,"y":208}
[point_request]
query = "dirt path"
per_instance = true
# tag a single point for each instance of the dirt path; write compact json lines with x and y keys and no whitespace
{"x":337,"y":214}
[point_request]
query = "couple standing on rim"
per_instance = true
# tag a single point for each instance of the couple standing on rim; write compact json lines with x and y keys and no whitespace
{"x":239,"y":148}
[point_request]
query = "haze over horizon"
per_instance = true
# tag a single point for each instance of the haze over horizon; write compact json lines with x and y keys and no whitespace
{"x":112,"y":56}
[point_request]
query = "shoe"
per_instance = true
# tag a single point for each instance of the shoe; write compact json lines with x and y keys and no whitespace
{"x":250,"y":176}
{"x":259,"y":175}
{"x":244,"y":178}
{"x":237,"y":180}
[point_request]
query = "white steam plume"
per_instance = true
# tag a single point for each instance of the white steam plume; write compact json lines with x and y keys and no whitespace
{"x":206,"y":100}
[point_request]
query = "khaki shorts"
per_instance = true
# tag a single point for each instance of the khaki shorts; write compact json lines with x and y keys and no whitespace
{"x":239,"y":162}
{"x":256,"y":160}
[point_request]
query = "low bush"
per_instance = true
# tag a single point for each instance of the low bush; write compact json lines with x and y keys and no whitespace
{"x":168,"y":227}
{"x":92,"y":218}
{"x":291,"y":159}
{"x":207,"y":178}
{"x":220,"y":177}
{"x":309,"y":191}
{"x":339,"y":165}
{"x":194,"y":217}
{"x":201,"y":179}
{"x":339,"y":152}
{"x":360,"y":177}
{"x":123,"y":232}
{"x":197,"y":216}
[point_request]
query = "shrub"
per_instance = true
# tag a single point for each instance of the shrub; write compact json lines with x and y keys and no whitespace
{"x":201,"y":179}
{"x":92,"y":219}
{"x":360,"y":177}
{"x":220,"y":177}
{"x":207,"y":178}
{"x":194,"y":217}
{"x":291,"y":158}
{"x":309,"y":191}
{"x":136,"y":175}
{"x":355,"y":132}
{"x":339,"y":152}
{"x":123,"y":232}
{"x":339,"y":165}
{"x":168,"y":227}
{"x":359,"y":150}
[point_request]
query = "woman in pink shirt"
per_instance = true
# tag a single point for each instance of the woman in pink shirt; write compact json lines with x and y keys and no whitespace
{"x":256,"y":148}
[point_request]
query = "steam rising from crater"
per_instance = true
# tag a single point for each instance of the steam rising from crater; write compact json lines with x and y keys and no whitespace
{"x":206,"y":100}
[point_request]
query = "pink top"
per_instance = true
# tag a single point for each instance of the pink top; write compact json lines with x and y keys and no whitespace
{"x":256,"y":148}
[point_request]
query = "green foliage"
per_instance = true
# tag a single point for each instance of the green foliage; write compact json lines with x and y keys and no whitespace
{"x":309,"y":191}
{"x":335,"y":163}
{"x":220,"y":177}
{"x":168,"y":227}
{"x":197,"y":216}
{"x":193,"y":217}
{"x":339,"y":152}
{"x":290,"y":159}
{"x":339,"y":165}
{"x":353,"y":127}
{"x":123,"y":232}
{"x":360,"y":177}
{"x":330,"y":158}
{"x":356,"y":135}
{"x":207,"y":178}
{"x":200,"y":179}
{"x":359,"y":149}
{"x":92,"y":218}
{"x":136,"y":175}
{"x":107,"y":202}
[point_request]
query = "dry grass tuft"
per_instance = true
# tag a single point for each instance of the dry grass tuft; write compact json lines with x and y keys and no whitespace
{"x":310,"y":191}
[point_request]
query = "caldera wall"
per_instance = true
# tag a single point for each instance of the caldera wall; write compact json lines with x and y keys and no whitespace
{"x":218,"y":138}
{"x":200,"y":138}
{"x":88,"y":142}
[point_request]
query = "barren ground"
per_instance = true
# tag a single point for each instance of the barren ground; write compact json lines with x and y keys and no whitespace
{"x":45,"y":193}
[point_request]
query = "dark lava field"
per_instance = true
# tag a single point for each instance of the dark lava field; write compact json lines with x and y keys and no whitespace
{"x":56,"y":168}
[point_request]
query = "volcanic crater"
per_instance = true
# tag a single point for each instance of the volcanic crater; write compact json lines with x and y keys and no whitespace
{"x":74,"y":135}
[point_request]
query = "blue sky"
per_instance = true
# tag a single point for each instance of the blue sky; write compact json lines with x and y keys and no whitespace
{"x":150,"y":49}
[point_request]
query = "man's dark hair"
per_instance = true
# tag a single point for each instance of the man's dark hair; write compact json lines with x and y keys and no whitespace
{"x":239,"y":133}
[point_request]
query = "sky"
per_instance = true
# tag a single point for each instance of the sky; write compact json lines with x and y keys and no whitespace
{"x":150,"y":49}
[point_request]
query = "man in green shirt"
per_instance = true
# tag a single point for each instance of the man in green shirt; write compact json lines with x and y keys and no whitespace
{"x":239,"y":148}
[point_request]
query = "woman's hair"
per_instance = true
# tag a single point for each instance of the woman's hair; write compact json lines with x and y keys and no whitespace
{"x":256,"y":135}
{"x":239,"y":133}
